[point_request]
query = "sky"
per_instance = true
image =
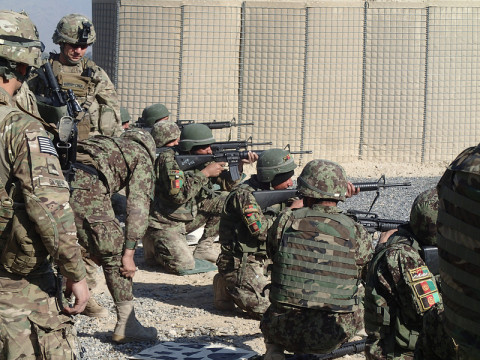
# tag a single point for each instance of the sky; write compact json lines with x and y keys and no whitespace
{"x":45,"y":14}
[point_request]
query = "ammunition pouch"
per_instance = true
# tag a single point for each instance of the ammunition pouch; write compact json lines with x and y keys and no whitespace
{"x":107,"y":122}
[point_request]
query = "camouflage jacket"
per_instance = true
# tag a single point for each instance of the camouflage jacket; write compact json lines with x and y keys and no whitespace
{"x":94,"y":92}
{"x":123,"y":164}
{"x":25,"y":100}
{"x":30,"y":163}
{"x":243,"y":224}
{"x":178,"y":192}
{"x":320,"y":230}
{"x":399,"y":289}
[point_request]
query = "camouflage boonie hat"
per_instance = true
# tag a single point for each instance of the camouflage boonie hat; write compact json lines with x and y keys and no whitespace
{"x":323,"y":179}
{"x":272,"y":162}
{"x":153,"y":113}
{"x":74,"y":29}
{"x":165,"y":131}
{"x":143,"y":138}
{"x":19,"y":39}
{"x":423,"y":217}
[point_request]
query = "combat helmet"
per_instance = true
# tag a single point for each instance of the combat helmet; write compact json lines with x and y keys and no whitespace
{"x":164,"y":132}
{"x":74,"y":29}
{"x":273,"y":162}
{"x":19,"y":43}
{"x":195,"y":135}
{"x":153,"y":113}
{"x":423,"y":217}
{"x":143,"y":138}
{"x":323,"y":179}
{"x":125,"y":115}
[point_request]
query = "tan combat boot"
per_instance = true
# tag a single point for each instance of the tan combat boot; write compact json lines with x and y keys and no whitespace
{"x":205,"y":251}
{"x":94,"y":309}
{"x":273,"y":352}
{"x":221,"y":299}
{"x":128,"y":328}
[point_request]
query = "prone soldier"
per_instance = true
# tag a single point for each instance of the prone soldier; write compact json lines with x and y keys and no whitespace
{"x":36,"y":219}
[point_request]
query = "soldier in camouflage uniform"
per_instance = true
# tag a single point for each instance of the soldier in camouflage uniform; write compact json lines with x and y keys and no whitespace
{"x":125,"y":115}
{"x":242,"y":264}
{"x":400,"y":287}
{"x":40,"y":225}
{"x":89,"y":82}
{"x":320,"y":256}
{"x":184,"y":201}
{"x":153,"y":114}
{"x":106,"y":166}
{"x":459,"y":248}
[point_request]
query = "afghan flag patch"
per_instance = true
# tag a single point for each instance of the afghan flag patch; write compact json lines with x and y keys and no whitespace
{"x":424,"y":287}
{"x":419,"y":273}
{"x":428,"y":301}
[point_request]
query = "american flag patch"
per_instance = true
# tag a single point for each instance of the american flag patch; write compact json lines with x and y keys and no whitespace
{"x":46,"y":146}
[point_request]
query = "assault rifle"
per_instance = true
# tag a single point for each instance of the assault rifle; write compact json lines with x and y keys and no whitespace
{"x":371,"y":222}
{"x":236,"y":145}
{"x":213,"y":124}
{"x":353,"y":347}
{"x":232,"y":157}
{"x":266,"y":198}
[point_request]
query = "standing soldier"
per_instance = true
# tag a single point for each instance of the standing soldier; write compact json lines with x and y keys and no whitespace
{"x":400,"y":287}
{"x":89,"y":82}
{"x":320,"y":257}
{"x":242,"y":268}
{"x":108,"y":165}
{"x":36,"y":220}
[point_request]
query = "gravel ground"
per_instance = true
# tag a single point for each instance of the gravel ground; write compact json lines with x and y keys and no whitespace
{"x":181,"y":307}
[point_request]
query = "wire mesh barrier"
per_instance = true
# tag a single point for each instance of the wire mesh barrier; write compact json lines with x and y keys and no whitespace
{"x":380,"y":81}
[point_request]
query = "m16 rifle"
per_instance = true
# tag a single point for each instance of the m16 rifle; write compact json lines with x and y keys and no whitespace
{"x":354,"y":347}
{"x":372,"y":223}
{"x":266,"y":198}
{"x":213,"y":124}
{"x":236,"y":145}
{"x":232,"y":157}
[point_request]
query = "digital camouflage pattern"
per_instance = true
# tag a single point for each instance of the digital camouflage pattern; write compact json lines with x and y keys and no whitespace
{"x":312,"y":328}
{"x":423,"y":217}
{"x":243,"y":258}
{"x":183,"y":202}
{"x":322,"y":179}
{"x":18,"y":25}
{"x":70,"y":29}
{"x":164,"y":132}
{"x":121,"y":164}
{"x":458,"y":246}
{"x":94,"y":92}
{"x":390,"y":291}
{"x":27,"y":162}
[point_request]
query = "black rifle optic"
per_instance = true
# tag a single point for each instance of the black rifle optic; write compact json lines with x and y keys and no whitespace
{"x":266,"y":198}
{"x":354,"y":347}
{"x":232,"y":157}
{"x":66,"y":143}
{"x":213,"y":124}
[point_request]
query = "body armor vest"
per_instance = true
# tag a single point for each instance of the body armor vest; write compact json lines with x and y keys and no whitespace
{"x":314,"y":269}
{"x":458,"y":243}
{"x":381,"y":314}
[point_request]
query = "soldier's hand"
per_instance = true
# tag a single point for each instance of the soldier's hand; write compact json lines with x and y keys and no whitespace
{"x":252,"y":157}
{"x":296,"y":204}
{"x":384,"y":236}
{"x":214,"y":169}
{"x":128,"y":267}
{"x":82,"y":294}
{"x":351,"y":190}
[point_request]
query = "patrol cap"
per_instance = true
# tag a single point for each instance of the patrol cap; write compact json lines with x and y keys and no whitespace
{"x":423,"y":217}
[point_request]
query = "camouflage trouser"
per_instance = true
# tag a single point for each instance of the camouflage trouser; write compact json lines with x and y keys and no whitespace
{"x":31,"y":325}
{"x":309,"y":331}
{"x":167,"y":238}
{"x":246,"y":283}
{"x":99,"y":232}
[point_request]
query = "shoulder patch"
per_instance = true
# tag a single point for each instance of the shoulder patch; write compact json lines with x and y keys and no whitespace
{"x":251,"y":217}
{"x":46,"y":145}
{"x":176,"y":178}
{"x":424,"y":288}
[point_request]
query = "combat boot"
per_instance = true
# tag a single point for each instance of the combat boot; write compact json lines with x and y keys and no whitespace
{"x":221,"y":299}
{"x":273,"y":352}
{"x":205,"y":251}
{"x":94,"y":309}
{"x":128,"y":328}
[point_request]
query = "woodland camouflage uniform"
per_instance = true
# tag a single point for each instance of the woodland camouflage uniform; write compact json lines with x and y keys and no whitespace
{"x":400,"y":288}
{"x":315,"y":295}
{"x":41,"y":224}
{"x":90,"y":83}
{"x":183,"y":202}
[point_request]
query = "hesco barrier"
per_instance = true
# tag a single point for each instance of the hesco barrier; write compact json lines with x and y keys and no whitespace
{"x":376,"y":80}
